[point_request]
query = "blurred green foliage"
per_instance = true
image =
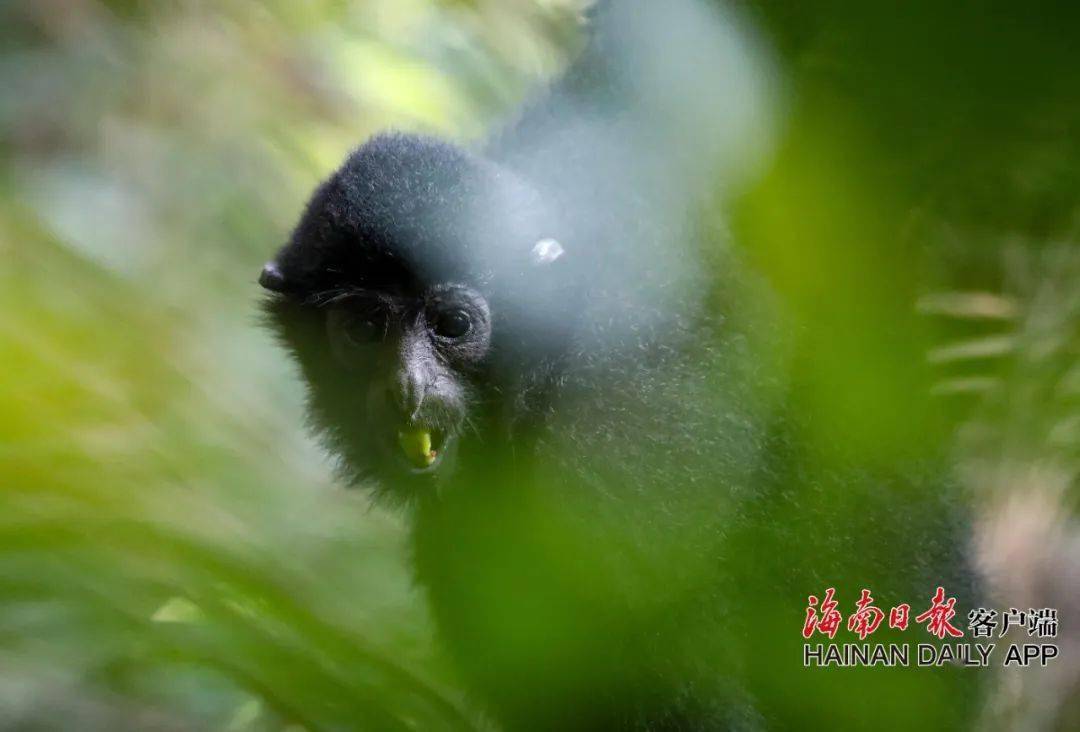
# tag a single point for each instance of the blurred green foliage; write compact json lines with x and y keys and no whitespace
{"x":173,"y":552}
{"x":923,"y":141}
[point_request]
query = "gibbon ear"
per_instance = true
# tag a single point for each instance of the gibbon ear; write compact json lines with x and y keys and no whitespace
{"x":271,"y":278}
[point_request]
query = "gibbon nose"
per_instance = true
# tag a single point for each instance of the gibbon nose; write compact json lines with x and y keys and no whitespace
{"x":414,"y":383}
{"x":416,"y":374}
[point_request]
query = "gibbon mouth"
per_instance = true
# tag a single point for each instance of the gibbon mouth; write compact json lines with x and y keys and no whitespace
{"x":422,"y":447}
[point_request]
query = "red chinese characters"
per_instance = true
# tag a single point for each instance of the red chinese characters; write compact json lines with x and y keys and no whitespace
{"x":866,"y":618}
{"x":824,"y":617}
{"x":828,"y":621}
{"x":898,"y":616}
{"x":939,"y":614}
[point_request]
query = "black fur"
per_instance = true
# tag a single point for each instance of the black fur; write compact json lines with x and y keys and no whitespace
{"x":634,"y":515}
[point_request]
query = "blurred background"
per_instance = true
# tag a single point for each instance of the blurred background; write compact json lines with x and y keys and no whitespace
{"x":175,"y":552}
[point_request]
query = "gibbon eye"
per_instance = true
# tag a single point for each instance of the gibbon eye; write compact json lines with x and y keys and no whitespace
{"x":351,"y":334}
{"x":360,"y":330}
{"x":453,"y":324}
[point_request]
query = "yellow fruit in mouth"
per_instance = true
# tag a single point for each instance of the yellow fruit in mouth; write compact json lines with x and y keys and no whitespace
{"x":416,"y":444}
